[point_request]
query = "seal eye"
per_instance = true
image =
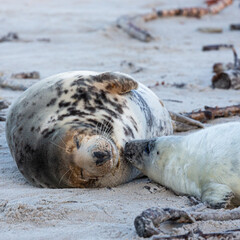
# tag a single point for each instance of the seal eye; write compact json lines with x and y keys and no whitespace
{"x":77,"y":142}
{"x":147,"y":149}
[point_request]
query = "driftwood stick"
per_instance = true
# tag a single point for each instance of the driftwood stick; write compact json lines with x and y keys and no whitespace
{"x":235,"y":26}
{"x":11,"y":86}
{"x":130,"y":27}
{"x":210,"y":113}
{"x":216,"y":47}
{"x":189,"y":12}
{"x":128,"y":24}
{"x":10,"y":37}
{"x":229,"y":234}
{"x":148,"y":222}
{"x":26,"y":75}
{"x":2,"y":119}
{"x":182,"y":123}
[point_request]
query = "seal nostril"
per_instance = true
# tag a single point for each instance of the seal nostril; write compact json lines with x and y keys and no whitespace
{"x":102,"y":157}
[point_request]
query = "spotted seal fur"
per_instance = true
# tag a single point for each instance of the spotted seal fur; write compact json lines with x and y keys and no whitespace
{"x":69,"y":130}
{"x":205,"y":164}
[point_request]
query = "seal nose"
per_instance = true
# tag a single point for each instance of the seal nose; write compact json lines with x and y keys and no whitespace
{"x":102,"y":157}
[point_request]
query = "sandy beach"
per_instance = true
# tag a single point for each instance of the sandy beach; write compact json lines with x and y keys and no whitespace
{"x":82,"y":35}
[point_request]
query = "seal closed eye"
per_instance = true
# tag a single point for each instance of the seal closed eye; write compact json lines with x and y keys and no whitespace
{"x":69,"y":130}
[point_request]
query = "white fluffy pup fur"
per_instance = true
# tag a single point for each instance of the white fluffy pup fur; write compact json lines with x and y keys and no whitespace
{"x":204,"y":164}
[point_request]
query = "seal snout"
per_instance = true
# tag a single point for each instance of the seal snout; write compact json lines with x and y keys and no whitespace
{"x":136,"y":152}
{"x":102,"y":157}
{"x":129,"y":151}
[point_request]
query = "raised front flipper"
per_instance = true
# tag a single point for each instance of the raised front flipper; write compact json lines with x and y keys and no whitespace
{"x":115,"y":82}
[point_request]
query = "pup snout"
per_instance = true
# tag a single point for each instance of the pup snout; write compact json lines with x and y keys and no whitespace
{"x":129,"y":151}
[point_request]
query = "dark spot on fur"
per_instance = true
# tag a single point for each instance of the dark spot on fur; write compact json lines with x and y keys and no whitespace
{"x":79,"y":81}
{"x":102,"y":77}
{"x":90,"y":109}
{"x":64,"y":104}
{"x":52,"y":102}
{"x":128,"y":131}
{"x":46,"y":132}
{"x":110,"y":112}
{"x":73,"y":112}
{"x":109,"y":86}
{"x":134,"y":123}
{"x":31,"y":115}
{"x":32,"y":129}
{"x":98,"y":101}
{"x":82,"y":94}
{"x":108,"y":118}
{"x":59,"y":88}
{"x":28,"y":149}
{"x":20,"y":129}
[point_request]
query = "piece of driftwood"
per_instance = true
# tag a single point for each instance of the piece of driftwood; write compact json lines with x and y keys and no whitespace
{"x":216,"y":47}
{"x":210,"y":30}
{"x":130,"y":26}
{"x":26,"y":75}
{"x":2,"y":119}
{"x":189,"y":12}
{"x":210,"y":113}
{"x":226,"y":80}
{"x":148,"y":222}
{"x":12,"y":86}
{"x":183,"y":124}
{"x":198,"y":234}
{"x":235,"y":26}
{"x":227,"y":75}
{"x":10,"y":37}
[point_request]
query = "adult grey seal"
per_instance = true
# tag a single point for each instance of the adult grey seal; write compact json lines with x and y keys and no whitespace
{"x":69,"y":130}
{"x":205,"y":164}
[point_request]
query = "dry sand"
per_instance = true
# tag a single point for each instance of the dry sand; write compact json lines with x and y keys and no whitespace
{"x":84,"y":37}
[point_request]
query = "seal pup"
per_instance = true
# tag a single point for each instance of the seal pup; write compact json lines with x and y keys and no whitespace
{"x":69,"y":130}
{"x":205,"y":164}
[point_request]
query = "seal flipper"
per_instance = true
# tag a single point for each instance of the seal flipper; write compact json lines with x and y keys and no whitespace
{"x":115,"y":82}
{"x":217,"y":195}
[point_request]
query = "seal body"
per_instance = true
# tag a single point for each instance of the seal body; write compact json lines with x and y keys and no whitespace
{"x":205,"y":164}
{"x":69,"y":130}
